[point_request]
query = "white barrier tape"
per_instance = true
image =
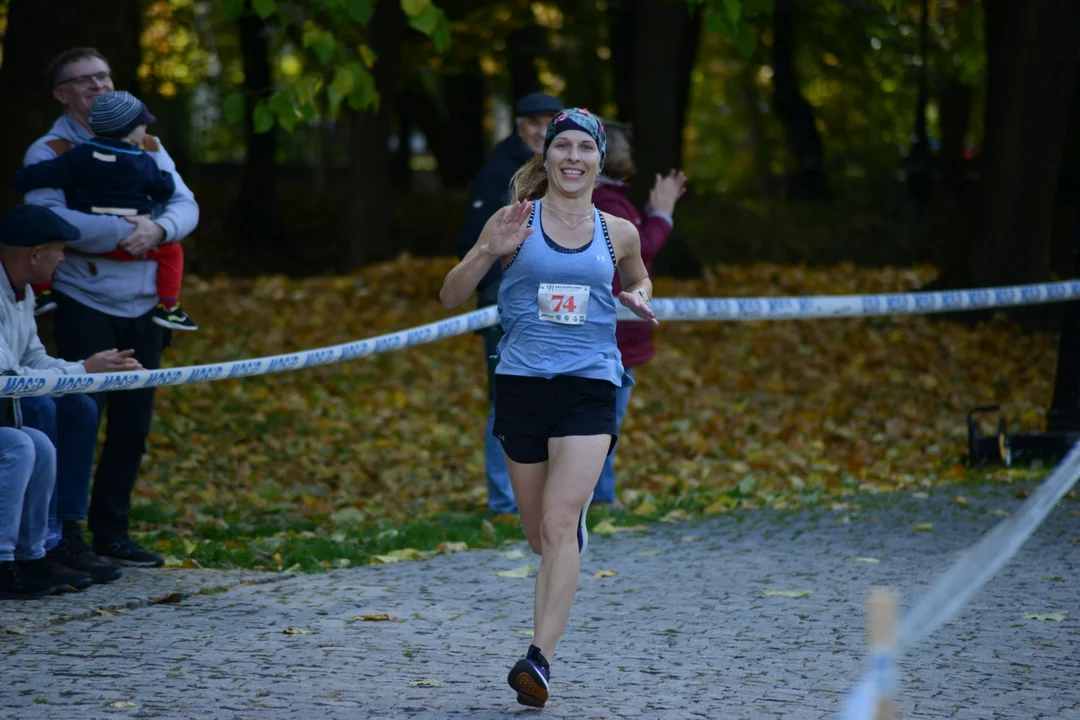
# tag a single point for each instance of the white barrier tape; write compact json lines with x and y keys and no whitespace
{"x":759,"y":308}
{"x":23,"y":385}
{"x":967,"y":575}
{"x":838,"y":306}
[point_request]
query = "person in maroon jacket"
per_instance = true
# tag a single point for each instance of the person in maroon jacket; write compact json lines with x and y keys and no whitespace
{"x":654,"y":226}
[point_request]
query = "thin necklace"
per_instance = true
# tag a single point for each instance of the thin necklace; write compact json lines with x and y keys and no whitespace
{"x":558,"y":213}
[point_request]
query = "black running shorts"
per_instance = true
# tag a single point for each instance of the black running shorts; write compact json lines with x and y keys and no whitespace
{"x":529,"y":410}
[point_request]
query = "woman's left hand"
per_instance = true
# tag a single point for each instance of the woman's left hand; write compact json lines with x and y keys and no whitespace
{"x":639,"y":306}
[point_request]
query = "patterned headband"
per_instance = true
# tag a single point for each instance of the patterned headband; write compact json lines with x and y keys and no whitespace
{"x":578,"y":119}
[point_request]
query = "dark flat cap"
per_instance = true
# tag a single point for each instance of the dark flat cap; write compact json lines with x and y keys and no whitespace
{"x":32,"y":225}
{"x":538,"y":103}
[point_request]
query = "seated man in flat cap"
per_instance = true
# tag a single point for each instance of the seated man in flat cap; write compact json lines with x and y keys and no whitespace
{"x":32,"y":242}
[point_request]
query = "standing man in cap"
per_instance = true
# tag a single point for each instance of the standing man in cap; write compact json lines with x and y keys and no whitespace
{"x":104,"y":303}
{"x":32,"y":242}
{"x":490,"y":191}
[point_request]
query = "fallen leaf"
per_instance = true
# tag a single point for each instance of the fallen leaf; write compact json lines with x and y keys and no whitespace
{"x":689,"y":538}
{"x":525,"y":632}
{"x":867,"y":560}
{"x":511,"y":554}
{"x":649,"y":553}
{"x":103,"y":612}
{"x":1001,"y":512}
{"x":922,"y":527}
{"x":920,"y":495}
{"x":122,"y":704}
{"x":385,"y":559}
{"x":722,"y":505}
{"x":487,"y":528}
{"x":14,"y":631}
{"x":677,"y":515}
{"x":1056,"y":617}
{"x":647,"y":507}
{"x":606,"y":527}
{"x":518,"y":572}
{"x":295,"y":631}
{"x":425,"y":683}
{"x":788,"y":593}
{"x":170,"y":599}
{"x":453,"y":547}
{"x":605,"y":574}
{"x":378,"y":617}
{"x":961,"y":500}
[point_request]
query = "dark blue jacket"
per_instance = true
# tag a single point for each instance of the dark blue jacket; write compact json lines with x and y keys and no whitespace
{"x":101,"y":173}
{"x":489,"y":191}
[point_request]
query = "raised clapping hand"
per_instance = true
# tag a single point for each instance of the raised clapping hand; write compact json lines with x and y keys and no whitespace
{"x":667,"y":190}
{"x":507,"y":232}
{"x":112,"y":361}
{"x":639,"y":306}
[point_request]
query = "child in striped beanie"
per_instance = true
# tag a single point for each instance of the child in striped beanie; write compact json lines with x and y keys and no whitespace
{"x":113,"y":174}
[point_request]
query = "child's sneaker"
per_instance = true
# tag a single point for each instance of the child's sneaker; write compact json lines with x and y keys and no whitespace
{"x":530,"y":677}
{"x":44,"y":302}
{"x":172,"y":317}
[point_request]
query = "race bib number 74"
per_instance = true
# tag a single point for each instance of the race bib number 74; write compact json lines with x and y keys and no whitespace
{"x":565,"y":304}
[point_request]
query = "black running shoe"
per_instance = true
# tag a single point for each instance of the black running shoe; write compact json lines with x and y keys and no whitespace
{"x":74,"y":554}
{"x":64,"y":579}
{"x":172,"y":317}
{"x":530,"y":677}
{"x":16,"y":585}
{"x":125,"y":551}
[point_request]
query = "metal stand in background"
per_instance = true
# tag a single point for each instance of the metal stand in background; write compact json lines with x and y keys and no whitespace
{"x":1063,"y":418}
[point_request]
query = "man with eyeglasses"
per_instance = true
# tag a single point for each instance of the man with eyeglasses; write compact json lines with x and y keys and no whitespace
{"x":104,"y":304}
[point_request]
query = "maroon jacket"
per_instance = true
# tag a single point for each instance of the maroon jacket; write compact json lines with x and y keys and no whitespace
{"x":634,"y":338}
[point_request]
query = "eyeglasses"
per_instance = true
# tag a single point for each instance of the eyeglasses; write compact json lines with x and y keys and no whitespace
{"x":99,"y":78}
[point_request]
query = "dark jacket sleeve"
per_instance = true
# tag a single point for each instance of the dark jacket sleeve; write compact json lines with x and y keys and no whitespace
{"x":654,"y":233}
{"x":55,"y":173}
{"x":157,"y":183}
{"x":488,"y":193}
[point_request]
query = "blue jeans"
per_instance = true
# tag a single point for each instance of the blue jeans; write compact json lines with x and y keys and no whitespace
{"x":27,"y":476}
{"x":605,"y":486}
{"x":71,"y":423}
{"x":500,"y":494}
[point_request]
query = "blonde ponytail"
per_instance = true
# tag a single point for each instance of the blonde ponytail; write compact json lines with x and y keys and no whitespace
{"x":530,"y":182}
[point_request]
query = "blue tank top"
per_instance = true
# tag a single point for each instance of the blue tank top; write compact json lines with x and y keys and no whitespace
{"x":556,"y":308}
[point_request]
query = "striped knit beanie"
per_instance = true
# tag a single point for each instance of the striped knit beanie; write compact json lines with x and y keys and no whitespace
{"x":578,"y":119}
{"x":117,"y":114}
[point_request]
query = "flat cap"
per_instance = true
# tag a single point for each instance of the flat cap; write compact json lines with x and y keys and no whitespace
{"x":538,"y":103}
{"x":33,"y":225}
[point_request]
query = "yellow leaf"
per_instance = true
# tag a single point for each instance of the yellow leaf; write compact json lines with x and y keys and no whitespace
{"x":1056,"y":617}
{"x":788,"y":593}
{"x":1001,"y":512}
{"x":649,"y":553}
{"x":189,"y":547}
{"x":867,"y":560}
{"x":378,"y":617}
{"x":511,"y":554}
{"x":677,"y":515}
{"x":605,"y":574}
{"x":961,"y":500}
{"x":425,"y":683}
{"x":518,"y":572}
{"x":385,"y":559}
{"x":647,"y":507}
{"x":689,"y":538}
{"x":722,"y":505}
{"x":453,"y":547}
{"x":922,"y":527}
{"x":295,"y":631}
{"x":487,"y":528}
{"x":122,"y":704}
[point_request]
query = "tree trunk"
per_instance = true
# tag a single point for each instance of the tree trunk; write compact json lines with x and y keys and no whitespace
{"x":1031,"y":72}
{"x":804,"y":141}
{"x":622,"y":34}
{"x":463,"y":147}
{"x":38,"y":31}
{"x":253,"y":222}
{"x":660,"y":87}
{"x":371,"y":162}
{"x":918,"y":167}
{"x":522,"y":48}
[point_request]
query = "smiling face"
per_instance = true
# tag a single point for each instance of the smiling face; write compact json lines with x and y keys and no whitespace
{"x":79,"y":83}
{"x":573,"y":162}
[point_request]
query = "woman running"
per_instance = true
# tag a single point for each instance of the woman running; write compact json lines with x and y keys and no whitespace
{"x":559,"y":365}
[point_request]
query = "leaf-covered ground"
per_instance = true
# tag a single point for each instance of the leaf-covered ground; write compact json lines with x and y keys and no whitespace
{"x":335,"y":465}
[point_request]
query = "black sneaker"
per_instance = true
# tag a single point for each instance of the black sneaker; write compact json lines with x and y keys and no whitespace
{"x":172,"y":317}
{"x":44,"y":302}
{"x":125,"y":551}
{"x":530,"y":677}
{"x":74,"y":554}
{"x":64,"y":579}
{"x":15,"y":585}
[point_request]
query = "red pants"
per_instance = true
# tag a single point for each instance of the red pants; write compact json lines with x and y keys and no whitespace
{"x":170,"y":260}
